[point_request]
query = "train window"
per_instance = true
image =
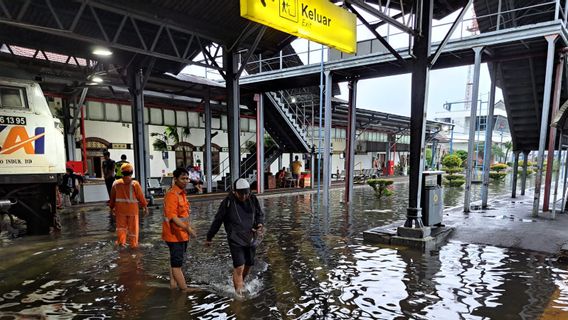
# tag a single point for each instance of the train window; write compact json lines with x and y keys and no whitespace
{"x":12,"y":97}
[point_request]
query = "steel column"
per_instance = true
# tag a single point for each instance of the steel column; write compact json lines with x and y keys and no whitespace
{"x":553,"y":213}
{"x":69,"y":132}
{"x":551,"y":40}
{"x":350,"y":143}
{"x":280,"y":162}
{"x":419,"y":103}
{"x":472,"y":122}
{"x":207,"y":151}
{"x":233,"y":114}
{"x":387,"y":157}
{"x":135,"y":79}
{"x":434,"y":148}
{"x":515,"y":174}
{"x":259,"y":143}
{"x":489,"y":139}
{"x":564,"y":184}
{"x":552,"y":132}
{"x":524,"y":177}
{"x":327,"y":139}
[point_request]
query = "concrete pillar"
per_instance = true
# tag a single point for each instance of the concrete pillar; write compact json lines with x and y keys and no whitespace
{"x":419,"y":102}
{"x":233,"y":114}
{"x":472,"y":122}
{"x":280,"y":162}
{"x":387,"y":157}
{"x":135,"y":82}
{"x":524,"y":176}
{"x":552,"y":132}
{"x":350,"y":143}
{"x":489,"y":139}
{"x":515,"y":174}
{"x":551,"y":40}
{"x":327,"y":139}
{"x":207,"y":152}
{"x":259,"y":143}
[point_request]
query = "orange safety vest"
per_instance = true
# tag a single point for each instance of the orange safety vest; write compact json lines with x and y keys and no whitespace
{"x":126,"y":197}
{"x":175,"y":205}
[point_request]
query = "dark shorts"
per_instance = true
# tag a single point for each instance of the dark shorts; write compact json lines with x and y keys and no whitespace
{"x":295,"y":176}
{"x":242,"y":255}
{"x":177,"y":252}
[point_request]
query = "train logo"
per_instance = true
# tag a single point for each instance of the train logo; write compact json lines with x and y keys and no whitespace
{"x":17,"y":138}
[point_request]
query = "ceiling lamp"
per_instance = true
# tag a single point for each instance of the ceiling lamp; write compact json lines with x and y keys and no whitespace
{"x":103,"y":52}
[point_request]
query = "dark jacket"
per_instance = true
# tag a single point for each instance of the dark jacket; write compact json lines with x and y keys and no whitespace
{"x":70,"y":182}
{"x":233,"y":219}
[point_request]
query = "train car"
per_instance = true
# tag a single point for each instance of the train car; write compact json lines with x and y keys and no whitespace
{"x":32,"y":155}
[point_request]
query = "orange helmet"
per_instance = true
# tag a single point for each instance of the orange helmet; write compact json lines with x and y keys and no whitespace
{"x":127,"y":167}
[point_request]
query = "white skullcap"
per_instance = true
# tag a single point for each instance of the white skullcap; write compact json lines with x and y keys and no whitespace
{"x":242,"y":184}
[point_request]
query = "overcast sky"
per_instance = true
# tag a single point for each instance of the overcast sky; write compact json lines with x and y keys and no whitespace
{"x":392,"y":94}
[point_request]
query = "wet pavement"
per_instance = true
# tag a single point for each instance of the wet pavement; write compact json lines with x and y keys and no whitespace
{"x":312,"y":264}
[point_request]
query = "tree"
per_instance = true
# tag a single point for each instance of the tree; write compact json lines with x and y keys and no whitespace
{"x":497,"y":151}
{"x":462,"y":154}
{"x":428,"y":157}
{"x":508,"y":146}
{"x":170,"y":137}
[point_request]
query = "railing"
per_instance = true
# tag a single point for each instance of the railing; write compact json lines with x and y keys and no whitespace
{"x":401,"y":40}
{"x":224,"y":164}
{"x":298,"y":111}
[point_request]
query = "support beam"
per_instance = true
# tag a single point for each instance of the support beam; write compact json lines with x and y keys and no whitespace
{"x":135,"y":78}
{"x":207,"y":151}
{"x":564,"y":183}
{"x":418,"y":107}
{"x":233,"y":114}
{"x":387,"y":157}
{"x":515,"y":174}
{"x":327,"y":138}
{"x":350,"y":143}
{"x":524,"y":176}
{"x":259,"y":98}
{"x":553,"y":213}
{"x":69,"y":136}
{"x":551,"y":40}
{"x":552,"y":132}
{"x":489,"y":138}
{"x":472,"y":122}
{"x":379,"y":14}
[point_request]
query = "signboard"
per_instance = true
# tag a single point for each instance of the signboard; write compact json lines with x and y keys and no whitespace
{"x":317,"y":20}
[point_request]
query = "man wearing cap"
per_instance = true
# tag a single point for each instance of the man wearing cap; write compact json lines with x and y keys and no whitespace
{"x":176,"y":228}
{"x":242,"y":216}
{"x":125,"y":196}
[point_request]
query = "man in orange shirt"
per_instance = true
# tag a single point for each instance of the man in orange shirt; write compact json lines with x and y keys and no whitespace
{"x":176,"y":228}
{"x":125,"y":196}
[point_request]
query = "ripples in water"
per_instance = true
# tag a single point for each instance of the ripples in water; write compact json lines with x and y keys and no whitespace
{"x":312,"y":264}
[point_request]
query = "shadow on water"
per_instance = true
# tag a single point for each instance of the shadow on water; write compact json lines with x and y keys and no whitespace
{"x":312,"y":264}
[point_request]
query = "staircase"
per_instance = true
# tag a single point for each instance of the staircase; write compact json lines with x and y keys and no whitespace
{"x":248,"y":166}
{"x":521,"y":80}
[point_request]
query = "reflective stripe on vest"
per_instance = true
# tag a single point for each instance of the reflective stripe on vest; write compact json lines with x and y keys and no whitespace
{"x":131,"y":199}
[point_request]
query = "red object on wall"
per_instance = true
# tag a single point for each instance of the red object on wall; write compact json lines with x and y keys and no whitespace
{"x":77,"y":166}
{"x":390,"y":167}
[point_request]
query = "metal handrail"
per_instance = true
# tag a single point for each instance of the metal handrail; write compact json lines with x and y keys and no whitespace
{"x":222,"y":173}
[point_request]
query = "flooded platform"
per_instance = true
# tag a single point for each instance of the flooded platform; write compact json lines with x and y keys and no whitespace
{"x":313,"y":264}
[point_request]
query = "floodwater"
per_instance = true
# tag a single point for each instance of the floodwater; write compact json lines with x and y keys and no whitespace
{"x":312,"y":264}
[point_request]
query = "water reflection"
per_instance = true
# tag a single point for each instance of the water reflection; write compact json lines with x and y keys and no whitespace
{"x":312,"y":264}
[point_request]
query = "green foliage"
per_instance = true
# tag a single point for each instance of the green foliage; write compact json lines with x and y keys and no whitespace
{"x":428,"y":156}
{"x":380,"y":186}
{"x":268,"y":143}
{"x":455,"y":182}
{"x":171,"y":136}
{"x":451,"y":161}
{"x":497,"y":176}
{"x":462,"y":154}
{"x":498,"y":167}
{"x":452,"y":164}
{"x":509,"y":164}
{"x":451,"y":177}
{"x":497,"y":152}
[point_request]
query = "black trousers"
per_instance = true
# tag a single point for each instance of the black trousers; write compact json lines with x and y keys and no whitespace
{"x":109,"y":182}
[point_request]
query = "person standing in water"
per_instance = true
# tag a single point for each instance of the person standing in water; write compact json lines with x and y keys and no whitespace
{"x":242,"y":216}
{"x":176,"y":228}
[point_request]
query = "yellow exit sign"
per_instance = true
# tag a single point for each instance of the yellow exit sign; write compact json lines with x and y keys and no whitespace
{"x":317,"y":20}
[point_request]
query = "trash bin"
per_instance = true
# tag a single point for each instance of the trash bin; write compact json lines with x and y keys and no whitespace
{"x":432,"y":199}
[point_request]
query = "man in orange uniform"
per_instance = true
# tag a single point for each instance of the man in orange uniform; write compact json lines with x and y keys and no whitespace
{"x":176,"y":228}
{"x":125,"y":196}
